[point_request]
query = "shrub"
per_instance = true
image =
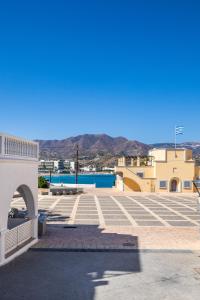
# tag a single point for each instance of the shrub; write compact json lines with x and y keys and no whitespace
{"x":42,"y":183}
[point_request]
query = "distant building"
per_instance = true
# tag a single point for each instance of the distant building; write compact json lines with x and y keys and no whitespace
{"x":60,"y":166}
{"x":67,"y":164}
{"x":164,"y":170}
{"x":72,"y":166}
{"x":89,"y":168}
{"x":45,"y":166}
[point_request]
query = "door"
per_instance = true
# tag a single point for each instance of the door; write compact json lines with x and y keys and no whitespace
{"x":174,"y":185}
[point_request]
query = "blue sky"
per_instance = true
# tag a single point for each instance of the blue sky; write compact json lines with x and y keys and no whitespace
{"x":125,"y":68}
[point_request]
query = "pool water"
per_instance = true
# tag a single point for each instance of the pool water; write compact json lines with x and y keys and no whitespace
{"x":101,"y":181}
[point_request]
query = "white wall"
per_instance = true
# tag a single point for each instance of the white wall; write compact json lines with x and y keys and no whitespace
{"x":14,"y":173}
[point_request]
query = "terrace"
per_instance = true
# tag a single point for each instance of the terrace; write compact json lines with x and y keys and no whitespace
{"x":135,"y":161}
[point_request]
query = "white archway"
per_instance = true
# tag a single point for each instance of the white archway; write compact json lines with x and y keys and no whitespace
{"x":22,"y":208}
{"x":27,"y":195}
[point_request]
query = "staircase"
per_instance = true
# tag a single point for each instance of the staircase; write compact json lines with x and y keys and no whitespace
{"x":132,"y":180}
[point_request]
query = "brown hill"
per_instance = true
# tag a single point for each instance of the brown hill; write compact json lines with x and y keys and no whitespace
{"x":90,"y":145}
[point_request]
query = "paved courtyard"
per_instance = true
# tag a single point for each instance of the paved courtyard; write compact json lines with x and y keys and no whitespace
{"x":109,"y":245}
{"x":114,"y":221}
{"x":108,"y":210}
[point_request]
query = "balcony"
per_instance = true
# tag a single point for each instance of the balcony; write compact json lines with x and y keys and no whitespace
{"x":16,"y":148}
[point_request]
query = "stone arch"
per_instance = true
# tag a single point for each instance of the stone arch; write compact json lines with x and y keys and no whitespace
{"x":17,"y":177}
{"x":132,"y":184}
{"x":27,"y":195}
{"x":30,"y":210}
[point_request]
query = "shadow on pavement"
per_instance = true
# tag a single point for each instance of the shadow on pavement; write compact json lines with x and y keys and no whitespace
{"x":68,"y":275}
{"x":83,"y":237}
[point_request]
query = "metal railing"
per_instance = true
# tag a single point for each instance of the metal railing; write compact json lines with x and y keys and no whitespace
{"x":14,"y":147}
{"x":196,"y":184}
{"x":18,"y":235}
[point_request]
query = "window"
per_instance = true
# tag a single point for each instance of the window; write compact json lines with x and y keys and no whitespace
{"x":187,"y":184}
{"x":140,"y":174}
{"x":163,"y":184}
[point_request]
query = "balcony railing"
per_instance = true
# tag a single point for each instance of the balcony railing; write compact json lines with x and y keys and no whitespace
{"x":17,"y":148}
{"x":140,"y":161}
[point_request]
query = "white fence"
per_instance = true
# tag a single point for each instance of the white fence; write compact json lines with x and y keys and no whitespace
{"x":18,"y":235}
{"x":14,"y":147}
{"x":73,"y":185}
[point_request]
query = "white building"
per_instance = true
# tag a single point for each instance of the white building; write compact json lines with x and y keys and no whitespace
{"x":67,"y":165}
{"x":58,"y":165}
{"x":89,"y":168}
{"x":72,"y":165}
{"x":45,"y":166}
{"x":18,"y":172}
{"x":61,"y":165}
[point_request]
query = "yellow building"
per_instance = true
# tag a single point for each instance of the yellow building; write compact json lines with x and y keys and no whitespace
{"x":164,"y":170}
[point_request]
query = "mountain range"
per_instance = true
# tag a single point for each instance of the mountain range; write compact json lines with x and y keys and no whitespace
{"x":92,"y":145}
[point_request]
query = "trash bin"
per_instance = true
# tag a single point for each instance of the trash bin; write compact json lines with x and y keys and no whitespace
{"x":42,"y":224}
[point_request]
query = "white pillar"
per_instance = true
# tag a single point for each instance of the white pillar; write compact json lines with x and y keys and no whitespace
{"x":124,"y":161}
{"x":2,"y":246}
{"x":138,"y":161}
{"x":35,"y":227}
{"x":132,"y":162}
{"x":3,"y":145}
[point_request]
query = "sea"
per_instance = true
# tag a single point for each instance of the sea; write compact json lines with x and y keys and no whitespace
{"x":101,"y":180}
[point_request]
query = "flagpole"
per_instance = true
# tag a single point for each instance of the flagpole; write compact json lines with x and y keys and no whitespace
{"x":177,"y":131}
{"x":175,"y":141}
{"x":175,"y":137}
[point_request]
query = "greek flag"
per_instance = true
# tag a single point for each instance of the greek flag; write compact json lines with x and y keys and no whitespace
{"x":179,"y":130}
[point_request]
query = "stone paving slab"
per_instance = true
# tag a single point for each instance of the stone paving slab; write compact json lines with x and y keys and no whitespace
{"x":111,"y":223}
{"x":149,"y":223}
{"x":120,"y":237}
{"x":156,"y":220}
{"x":180,"y":223}
{"x":165,"y":209}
